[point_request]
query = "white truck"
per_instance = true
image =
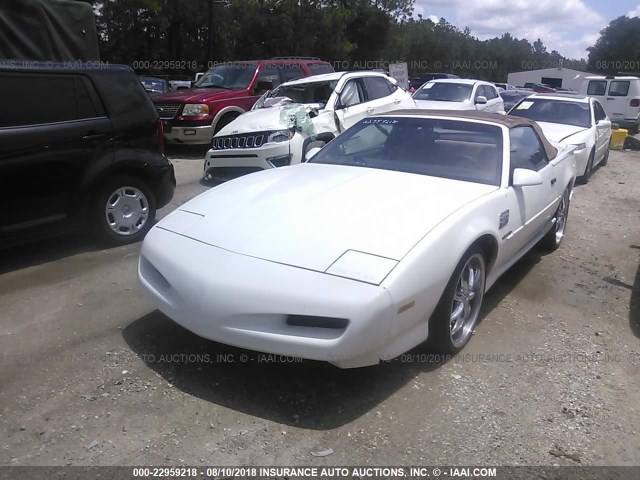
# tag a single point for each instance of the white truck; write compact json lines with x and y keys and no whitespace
{"x":184,"y":84}
{"x":620,"y":97}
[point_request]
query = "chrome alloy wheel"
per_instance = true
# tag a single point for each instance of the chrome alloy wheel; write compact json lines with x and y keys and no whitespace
{"x":467,"y":300}
{"x":127,"y":211}
{"x":561,"y":217}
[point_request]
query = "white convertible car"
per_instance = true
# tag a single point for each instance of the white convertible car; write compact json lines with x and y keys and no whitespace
{"x":388,"y":236}
{"x":571,"y":120}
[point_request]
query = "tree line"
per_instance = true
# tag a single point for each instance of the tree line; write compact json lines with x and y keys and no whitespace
{"x":175,"y":37}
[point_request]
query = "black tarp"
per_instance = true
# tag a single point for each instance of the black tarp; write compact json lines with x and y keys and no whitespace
{"x":55,"y":30}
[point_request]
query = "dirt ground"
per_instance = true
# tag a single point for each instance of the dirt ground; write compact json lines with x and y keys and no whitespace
{"x":91,"y":374}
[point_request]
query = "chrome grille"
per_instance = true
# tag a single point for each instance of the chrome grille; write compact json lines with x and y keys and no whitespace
{"x":245,"y":140}
{"x":167,"y":110}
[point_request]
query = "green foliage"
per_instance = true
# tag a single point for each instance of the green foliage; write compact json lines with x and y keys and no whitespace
{"x":364,"y":33}
{"x":618,"y":48}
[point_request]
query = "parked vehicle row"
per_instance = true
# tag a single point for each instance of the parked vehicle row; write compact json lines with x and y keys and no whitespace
{"x":459,"y":94}
{"x":301,"y":115}
{"x":193,"y":116}
{"x":289,"y":121}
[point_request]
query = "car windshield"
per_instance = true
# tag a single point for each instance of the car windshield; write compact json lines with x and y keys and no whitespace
{"x":444,"y":92}
{"x":231,"y":76}
{"x":554,"y":111}
{"x":307,"y":93}
{"x":154,"y":84}
{"x":455,"y":149}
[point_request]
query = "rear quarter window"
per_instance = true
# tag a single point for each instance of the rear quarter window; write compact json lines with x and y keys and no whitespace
{"x":377,"y":87}
{"x":619,"y":88}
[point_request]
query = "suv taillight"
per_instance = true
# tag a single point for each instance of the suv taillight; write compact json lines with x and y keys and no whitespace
{"x":160,"y":130}
{"x":635,"y":102}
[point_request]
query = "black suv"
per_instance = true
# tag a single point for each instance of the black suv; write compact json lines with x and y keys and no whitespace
{"x":81,"y":145}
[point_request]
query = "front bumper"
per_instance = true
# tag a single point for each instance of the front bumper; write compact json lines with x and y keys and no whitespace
{"x":582,"y":158}
{"x":247,"y":158}
{"x":188,"y":135}
{"x":245,"y":302}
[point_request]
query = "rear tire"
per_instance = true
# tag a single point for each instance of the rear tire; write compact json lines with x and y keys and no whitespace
{"x":123,"y":210}
{"x":552,"y":240}
{"x":605,"y":160}
{"x":458,"y":310}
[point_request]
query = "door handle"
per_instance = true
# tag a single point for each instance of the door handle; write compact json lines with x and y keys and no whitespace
{"x":369,"y":110}
{"x":94,"y":136}
{"x":553,"y":181}
{"x":396,"y":101}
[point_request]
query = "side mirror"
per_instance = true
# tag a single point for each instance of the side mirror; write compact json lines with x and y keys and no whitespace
{"x":481,"y":100}
{"x":263,"y":86}
{"x":523,"y":177}
{"x":312,"y":153}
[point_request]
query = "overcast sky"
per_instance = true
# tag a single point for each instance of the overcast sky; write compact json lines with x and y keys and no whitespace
{"x":568,"y":26}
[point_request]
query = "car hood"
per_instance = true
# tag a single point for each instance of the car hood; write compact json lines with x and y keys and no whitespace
{"x":308,"y":215}
{"x":263,"y":119}
{"x":558,"y":132}
{"x":196,"y":95}
{"x":436,"y":105}
{"x":255,"y":121}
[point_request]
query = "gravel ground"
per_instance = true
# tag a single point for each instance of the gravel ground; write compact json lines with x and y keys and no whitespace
{"x":93,"y":375}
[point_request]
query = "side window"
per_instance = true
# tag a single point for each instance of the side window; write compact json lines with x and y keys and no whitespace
{"x":526,"y":149}
{"x":597,"y":87}
{"x":352,"y":94}
{"x":44,"y":98}
{"x":598,"y":111}
{"x":479,"y":92}
{"x":291,"y":71}
{"x":377,"y":87}
{"x":489,"y":92}
{"x":269,"y":73}
{"x":619,"y":88}
{"x":87,"y":100}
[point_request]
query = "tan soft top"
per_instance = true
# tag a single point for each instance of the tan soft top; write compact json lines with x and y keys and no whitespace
{"x":506,"y":120}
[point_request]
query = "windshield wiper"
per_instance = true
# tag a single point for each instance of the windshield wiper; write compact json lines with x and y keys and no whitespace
{"x":213,"y":85}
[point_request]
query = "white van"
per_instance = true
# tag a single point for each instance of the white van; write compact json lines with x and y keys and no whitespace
{"x":620,"y":97}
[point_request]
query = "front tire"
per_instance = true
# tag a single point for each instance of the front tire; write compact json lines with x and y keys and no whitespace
{"x":552,"y":240}
{"x":123,"y":211}
{"x":458,"y":310}
{"x":584,"y":179}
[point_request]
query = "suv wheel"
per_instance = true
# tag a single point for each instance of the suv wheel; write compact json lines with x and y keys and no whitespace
{"x":124,"y":210}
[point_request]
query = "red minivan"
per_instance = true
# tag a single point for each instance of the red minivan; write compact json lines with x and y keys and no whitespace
{"x":225,"y":91}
